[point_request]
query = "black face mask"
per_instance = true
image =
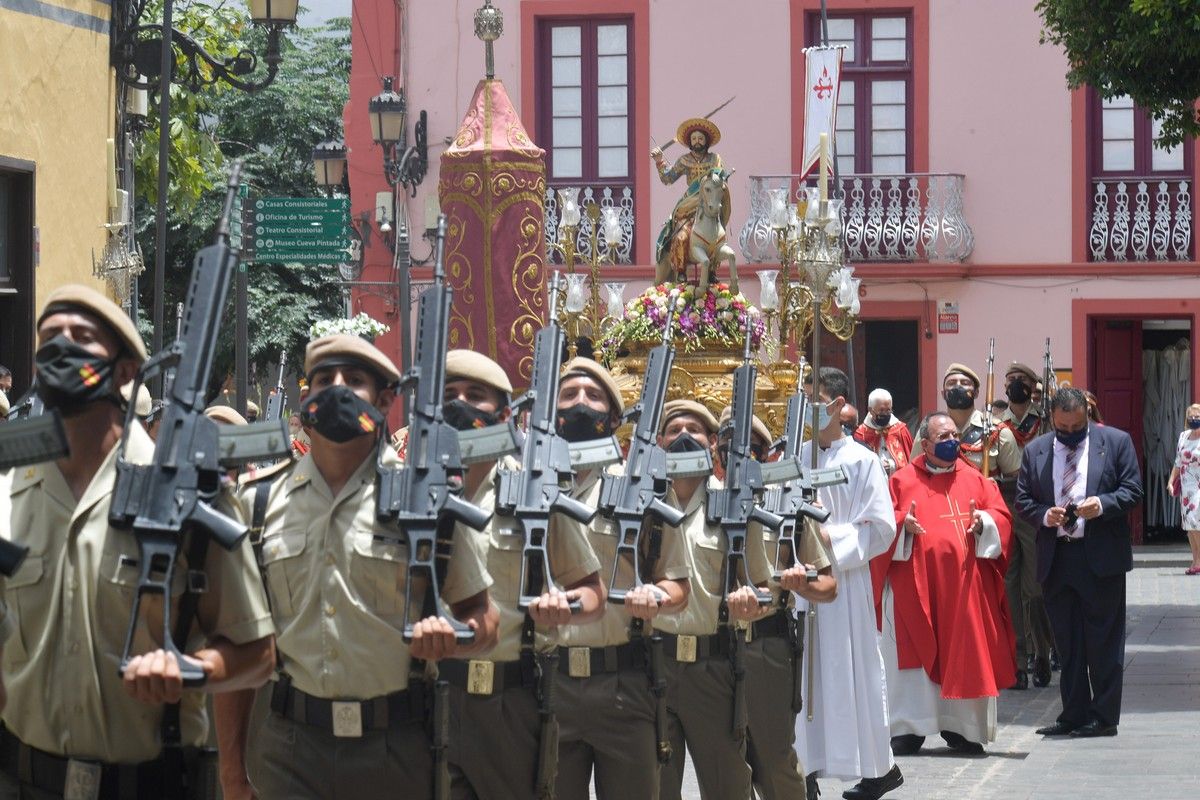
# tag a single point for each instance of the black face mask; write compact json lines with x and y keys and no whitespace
{"x":881,"y":420}
{"x":1018,"y":392}
{"x":581,"y":423}
{"x":462,"y":416}
{"x":684,"y":443}
{"x":959,"y":398}
{"x":340,"y":415}
{"x":70,"y":377}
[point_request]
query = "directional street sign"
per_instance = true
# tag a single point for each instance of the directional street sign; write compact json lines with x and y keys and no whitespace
{"x":301,"y":229}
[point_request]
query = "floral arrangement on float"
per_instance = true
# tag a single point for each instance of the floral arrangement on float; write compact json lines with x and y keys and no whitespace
{"x":361,"y":325}
{"x":714,"y":319}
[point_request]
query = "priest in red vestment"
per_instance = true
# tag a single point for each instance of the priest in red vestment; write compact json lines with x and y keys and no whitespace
{"x":947,"y":634}
{"x":883,"y":433}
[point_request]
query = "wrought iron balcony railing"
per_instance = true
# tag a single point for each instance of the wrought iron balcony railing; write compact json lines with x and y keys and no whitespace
{"x":1141,"y":219}
{"x":619,"y":196}
{"x":911,"y":217}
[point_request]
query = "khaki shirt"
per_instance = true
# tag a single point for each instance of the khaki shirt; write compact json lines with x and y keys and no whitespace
{"x":811,"y":552}
{"x":602,"y":534}
{"x":706,"y":547}
{"x":70,"y":603}
{"x":336,"y":577}
{"x":6,"y":622}
{"x":1031,"y":418}
{"x":571,"y":560}
{"x":1005,"y":454}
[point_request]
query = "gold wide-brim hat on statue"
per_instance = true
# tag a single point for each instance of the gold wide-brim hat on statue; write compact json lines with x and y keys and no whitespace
{"x":707,"y":127}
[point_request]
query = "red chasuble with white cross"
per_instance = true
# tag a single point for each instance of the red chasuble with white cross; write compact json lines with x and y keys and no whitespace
{"x":952,"y":616}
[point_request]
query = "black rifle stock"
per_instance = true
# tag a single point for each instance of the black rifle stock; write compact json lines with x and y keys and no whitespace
{"x":634,"y":499}
{"x":423,"y":496}
{"x":538,"y":489}
{"x":173,"y":495}
{"x":25,"y":441}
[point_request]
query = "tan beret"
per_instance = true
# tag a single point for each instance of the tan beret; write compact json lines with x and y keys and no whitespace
{"x":757,"y":426}
{"x":961,"y":369}
{"x":676,"y":408}
{"x":251,"y":407}
{"x":597,"y":372}
{"x":87,"y":299}
{"x":226,"y":415}
{"x":472,"y":366}
{"x":143,"y":405}
{"x":1028,"y":372}
{"x":342,"y":349}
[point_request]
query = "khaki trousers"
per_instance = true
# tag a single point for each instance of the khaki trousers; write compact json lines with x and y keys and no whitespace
{"x":493,"y":744}
{"x":700,"y":706}
{"x":606,"y":723}
{"x":1028,"y":610}
{"x":293,"y":760}
{"x":778,"y":773}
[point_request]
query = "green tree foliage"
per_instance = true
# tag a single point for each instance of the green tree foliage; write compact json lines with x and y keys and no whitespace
{"x":1147,"y":49}
{"x":273,"y":131}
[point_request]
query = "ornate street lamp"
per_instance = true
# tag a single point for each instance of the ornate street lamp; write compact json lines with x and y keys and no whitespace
{"x":329,"y":165}
{"x":403,"y":165}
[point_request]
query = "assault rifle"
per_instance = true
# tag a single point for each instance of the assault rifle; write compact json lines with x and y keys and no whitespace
{"x":733,"y":508}
{"x":32,"y":440}
{"x":795,"y":500}
{"x":1048,"y":381}
{"x":988,"y":422}
{"x":423,"y":496}
{"x":536,"y":490}
{"x":173,"y":495}
{"x":277,"y":400}
{"x":634,"y":499}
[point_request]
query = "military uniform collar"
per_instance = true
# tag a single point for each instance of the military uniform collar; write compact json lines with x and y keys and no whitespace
{"x":139,"y":449}
{"x":306,"y":473}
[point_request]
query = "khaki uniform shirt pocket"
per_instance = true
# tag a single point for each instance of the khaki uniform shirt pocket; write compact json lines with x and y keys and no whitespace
{"x":506,"y":543}
{"x":379,"y":572}
{"x":20,"y":595}
{"x":284,"y":569}
{"x":710,"y":562}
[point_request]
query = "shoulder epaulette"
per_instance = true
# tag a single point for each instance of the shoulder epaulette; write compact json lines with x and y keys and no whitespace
{"x":271,"y":472}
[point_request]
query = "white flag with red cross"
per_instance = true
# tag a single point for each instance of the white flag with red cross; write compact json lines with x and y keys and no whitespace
{"x":822,"y":80}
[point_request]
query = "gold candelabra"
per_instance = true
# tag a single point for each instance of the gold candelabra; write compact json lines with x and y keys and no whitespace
{"x":581,"y":304}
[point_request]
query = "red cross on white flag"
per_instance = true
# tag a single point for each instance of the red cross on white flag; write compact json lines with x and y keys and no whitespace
{"x":822,"y":80}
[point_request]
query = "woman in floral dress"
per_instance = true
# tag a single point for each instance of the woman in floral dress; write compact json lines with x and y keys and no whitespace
{"x":1184,"y":482}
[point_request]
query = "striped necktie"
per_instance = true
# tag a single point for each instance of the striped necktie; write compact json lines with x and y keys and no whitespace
{"x":1070,"y":477}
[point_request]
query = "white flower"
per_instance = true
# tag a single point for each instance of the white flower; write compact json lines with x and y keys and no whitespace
{"x":361,"y":325}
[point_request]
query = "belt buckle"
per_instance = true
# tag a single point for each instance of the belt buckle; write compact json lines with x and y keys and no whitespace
{"x":347,"y":719}
{"x":579,"y":664}
{"x":82,"y":780}
{"x":481,"y":677}
{"x":685,"y":649}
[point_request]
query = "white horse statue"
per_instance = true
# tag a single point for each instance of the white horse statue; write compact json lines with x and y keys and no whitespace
{"x":708,"y":245}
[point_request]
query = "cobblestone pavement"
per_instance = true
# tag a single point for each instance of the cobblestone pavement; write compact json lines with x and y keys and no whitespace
{"x":1156,"y":755}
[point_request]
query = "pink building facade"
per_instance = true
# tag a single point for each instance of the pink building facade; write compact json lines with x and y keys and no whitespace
{"x":977,"y":182}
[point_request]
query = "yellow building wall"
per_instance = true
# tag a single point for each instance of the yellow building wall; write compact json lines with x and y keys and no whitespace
{"x":57,"y":110}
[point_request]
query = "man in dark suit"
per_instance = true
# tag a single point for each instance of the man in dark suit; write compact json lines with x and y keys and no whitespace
{"x":1077,"y":486}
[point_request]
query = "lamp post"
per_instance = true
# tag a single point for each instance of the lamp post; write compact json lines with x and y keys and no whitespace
{"x":145,"y":52}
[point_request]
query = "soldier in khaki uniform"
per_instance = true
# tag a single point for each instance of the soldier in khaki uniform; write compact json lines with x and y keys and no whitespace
{"x":700,"y":673}
{"x":602,"y":661}
{"x":960,"y":390}
{"x":73,"y":726}
{"x":494,"y":721}
{"x":350,"y":703}
{"x":1030,"y":623}
{"x":776,"y":645}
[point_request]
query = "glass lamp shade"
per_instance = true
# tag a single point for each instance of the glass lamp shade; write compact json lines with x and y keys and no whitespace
{"x":612,"y":225}
{"x":833,"y":218}
{"x":808,"y":197}
{"x":576,"y":293}
{"x":568,"y":203}
{"x":274,"y":12}
{"x":616,"y":299}
{"x":812,"y":209}
{"x":388,"y":112}
{"x":779,"y":208}
{"x":768,"y":295}
{"x":329,"y":163}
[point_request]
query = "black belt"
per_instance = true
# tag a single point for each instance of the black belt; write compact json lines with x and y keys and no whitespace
{"x":778,"y":625}
{"x":501,"y":675}
{"x":1068,"y":539}
{"x":377,"y":713}
{"x":715,"y":644}
{"x":582,"y":662}
{"x":48,"y":772}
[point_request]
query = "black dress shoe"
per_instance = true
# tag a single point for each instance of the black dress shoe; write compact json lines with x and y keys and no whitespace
{"x":907,"y":744}
{"x":1057,"y":729}
{"x":811,"y":790}
{"x":1022,"y":681}
{"x":1094,"y":728}
{"x":1041,"y":673}
{"x":875,"y":788}
{"x":1054,"y":662}
{"x":961,"y":744}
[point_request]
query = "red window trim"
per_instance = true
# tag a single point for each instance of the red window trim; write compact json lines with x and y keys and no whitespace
{"x":1143,"y":145}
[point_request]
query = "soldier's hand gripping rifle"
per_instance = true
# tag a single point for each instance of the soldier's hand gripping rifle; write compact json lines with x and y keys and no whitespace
{"x":277,"y":401}
{"x":988,"y":423}
{"x":734,"y":508}
{"x":540,"y":487}
{"x":634,"y":499}
{"x":174,"y":494}
{"x":423,"y":496}
{"x":25,"y":441}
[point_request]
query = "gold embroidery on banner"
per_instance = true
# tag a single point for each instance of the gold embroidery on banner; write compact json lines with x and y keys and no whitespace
{"x":458,"y":277}
{"x":528,"y":284}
